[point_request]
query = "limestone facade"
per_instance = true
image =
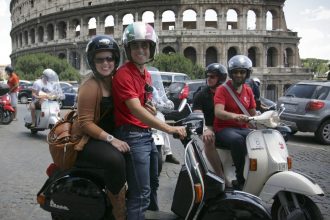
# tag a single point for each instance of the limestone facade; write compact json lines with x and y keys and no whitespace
{"x":205,"y":31}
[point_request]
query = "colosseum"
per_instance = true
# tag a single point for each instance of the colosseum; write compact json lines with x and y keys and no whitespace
{"x":205,"y":31}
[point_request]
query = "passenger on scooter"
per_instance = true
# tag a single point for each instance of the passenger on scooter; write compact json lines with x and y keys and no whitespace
{"x":215,"y":75}
{"x":134,"y":115}
{"x":96,"y":118}
{"x":231,"y":124}
{"x":13,"y":83}
{"x":164,"y":104}
{"x":40,"y":90}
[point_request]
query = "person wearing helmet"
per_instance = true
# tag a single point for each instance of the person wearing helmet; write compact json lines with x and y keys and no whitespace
{"x":96,"y":119}
{"x":254,"y":83}
{"x":40,"y":90}
{"x":13,"y":83}
{"x":230,"y":123}
{"x":215,"y":75}
{"x":135,"y":115}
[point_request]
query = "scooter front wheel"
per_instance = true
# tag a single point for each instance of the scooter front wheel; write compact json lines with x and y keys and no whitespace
{"x":7,"y":117}
{"x":308,"y":209}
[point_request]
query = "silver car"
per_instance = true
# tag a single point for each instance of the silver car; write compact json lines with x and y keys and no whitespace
{"x":307,"y":108}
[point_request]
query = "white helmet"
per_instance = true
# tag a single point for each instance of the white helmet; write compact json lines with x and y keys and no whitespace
{"x":256,"y":80}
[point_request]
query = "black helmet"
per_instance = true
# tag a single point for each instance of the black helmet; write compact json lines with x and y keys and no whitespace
{"x":9,"y":69}
{"x":140,"y":31}
{"x":240,"y":62}
{"x":218,"y":69}
{"x":102,"y":43}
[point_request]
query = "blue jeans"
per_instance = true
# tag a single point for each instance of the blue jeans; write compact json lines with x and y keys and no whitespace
{"x":142,"y":173}
{"x":235,"y":140}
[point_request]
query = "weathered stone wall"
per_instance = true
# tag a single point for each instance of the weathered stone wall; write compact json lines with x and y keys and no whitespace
{"x":63,"y":28}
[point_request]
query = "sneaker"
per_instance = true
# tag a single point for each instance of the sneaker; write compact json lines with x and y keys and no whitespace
{"x":171,"y":159}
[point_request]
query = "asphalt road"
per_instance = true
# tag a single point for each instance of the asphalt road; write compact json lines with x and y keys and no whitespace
{"x":25,"y":157}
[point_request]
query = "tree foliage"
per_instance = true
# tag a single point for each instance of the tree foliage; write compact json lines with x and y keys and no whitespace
{"x":30,"y":67}
{"x":177,"y":63}
{"x":317,"y":66}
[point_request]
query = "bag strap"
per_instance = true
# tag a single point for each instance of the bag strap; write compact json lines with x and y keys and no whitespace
{"x":238,"y":102}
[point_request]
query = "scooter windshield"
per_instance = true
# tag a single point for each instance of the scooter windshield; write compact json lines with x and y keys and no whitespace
{"x":159,"y":96}
{"x":56,"y":91}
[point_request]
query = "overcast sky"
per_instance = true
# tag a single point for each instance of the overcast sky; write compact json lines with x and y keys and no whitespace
{"x":311,"y":19}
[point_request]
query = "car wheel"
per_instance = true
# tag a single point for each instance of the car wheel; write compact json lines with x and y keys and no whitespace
{"x":323,"y":132}
{"x":23,"y":99}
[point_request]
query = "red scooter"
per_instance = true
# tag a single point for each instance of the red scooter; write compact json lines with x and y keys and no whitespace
{"x":6,"y":109}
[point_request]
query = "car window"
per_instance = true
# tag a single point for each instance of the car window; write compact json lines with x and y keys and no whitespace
{"x":176,"y":87}
{"x":179,"y":78}
{"x":166,"y":78}
{"x":322,"y":93}
{"x":195,"y":86}
{"x":301,"y":91}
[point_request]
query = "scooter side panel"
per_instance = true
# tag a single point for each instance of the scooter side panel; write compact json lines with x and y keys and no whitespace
{"x":291,"y":182}
{"x":256,"y":149}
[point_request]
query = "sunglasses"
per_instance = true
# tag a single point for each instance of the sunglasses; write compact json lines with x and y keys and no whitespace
{"x":102,"y":59}
{"x":211,"y":76}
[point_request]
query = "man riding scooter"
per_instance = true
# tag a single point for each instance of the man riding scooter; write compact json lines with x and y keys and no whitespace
{"x":40,"y":90}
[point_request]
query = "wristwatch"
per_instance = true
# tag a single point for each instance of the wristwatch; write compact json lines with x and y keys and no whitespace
{"x":109,"y":138}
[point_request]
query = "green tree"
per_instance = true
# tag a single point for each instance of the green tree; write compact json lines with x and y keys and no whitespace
{"x":30,"y":67}
{"x":318,"y":66}
{"x":177,"y":63}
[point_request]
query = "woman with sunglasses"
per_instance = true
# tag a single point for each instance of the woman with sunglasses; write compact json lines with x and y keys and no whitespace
{"x":96,"y":119}
{"x":230,"y":123}
{"x":135,"y":115}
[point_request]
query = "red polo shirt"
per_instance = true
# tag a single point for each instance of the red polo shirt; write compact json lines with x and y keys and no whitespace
{"x":128,"y":83}
{"x":13,"y":81}
{"x":222,"y":96}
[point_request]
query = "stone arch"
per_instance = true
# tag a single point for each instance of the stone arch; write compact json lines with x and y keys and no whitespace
{"x":50,"y":32}
{"x":190,"y":53}
{"x":251,"y":20}
{"x":92,"y":26}
{"x":168,"y":50}
{"x":211,"y":18}
{"x":41,"y":34}
{"x":148,"y":17}
{"x":61,"y":55}
{"x":211,"y":56}
{"x":273,"y":19}
{"x":75,"y":27}
{"x":127,"y":19}
{"x":272,"y":57}
{"x":32,"y":36}
{"x":232,"y":51}
{"x":61,"y":26}
{"x":232,"y":19}
{"x":26,"y":37}
{"x":168,"y":20}
{"x":20,"y":39}
{"x":288,"y":57}
{"x":271,"y":92}
{"x":109,"y":25}
{"x":189,"y":19}
{"x":269,"y":21}
{"x":253,"y":55}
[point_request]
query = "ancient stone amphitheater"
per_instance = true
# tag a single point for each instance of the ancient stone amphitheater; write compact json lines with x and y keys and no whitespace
{"x":205,"y":31}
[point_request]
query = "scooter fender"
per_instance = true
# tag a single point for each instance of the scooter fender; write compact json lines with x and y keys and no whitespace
{"x":8,"y":108}
{"x":291,"y":182}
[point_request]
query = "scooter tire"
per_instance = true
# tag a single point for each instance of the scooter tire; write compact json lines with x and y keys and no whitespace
{"x":308,"y":208}
{"x":7,"y":117}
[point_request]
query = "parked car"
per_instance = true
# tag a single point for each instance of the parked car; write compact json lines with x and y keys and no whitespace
{"x":170,"y":77}
{"x":180,"y":90}
{"x":307,"y":108}
{"x":25,"y":93}
{"x":24,"y":84}
{"x":70,"y":97}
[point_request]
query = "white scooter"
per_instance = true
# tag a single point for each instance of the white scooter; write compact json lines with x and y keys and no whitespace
{"x":267,"y":174}
{"x":49,"y":113}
